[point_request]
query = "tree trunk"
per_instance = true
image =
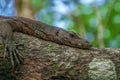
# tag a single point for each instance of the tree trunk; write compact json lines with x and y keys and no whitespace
{"x":24,"y":9}
{"x":44,"y":60}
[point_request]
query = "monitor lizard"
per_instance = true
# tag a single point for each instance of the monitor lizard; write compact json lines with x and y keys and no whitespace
{"x":9,"y":25}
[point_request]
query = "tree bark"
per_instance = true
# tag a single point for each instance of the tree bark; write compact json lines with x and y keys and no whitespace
{"x":44,"y":60}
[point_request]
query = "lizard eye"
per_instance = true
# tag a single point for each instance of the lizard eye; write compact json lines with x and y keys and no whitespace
{"x":72,"y":35}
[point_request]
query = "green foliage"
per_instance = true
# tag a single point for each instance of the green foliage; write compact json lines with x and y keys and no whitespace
{"x":46,"y":16}
{"x":37,"y":4}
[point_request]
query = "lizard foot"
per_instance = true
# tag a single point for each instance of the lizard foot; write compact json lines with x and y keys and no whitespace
{"x":13,"y":54}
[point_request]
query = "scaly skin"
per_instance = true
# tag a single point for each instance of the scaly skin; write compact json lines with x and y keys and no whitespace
{"x":8,"y":25}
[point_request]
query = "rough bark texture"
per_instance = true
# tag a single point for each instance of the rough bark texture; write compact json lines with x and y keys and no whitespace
{"x":44,"y":60}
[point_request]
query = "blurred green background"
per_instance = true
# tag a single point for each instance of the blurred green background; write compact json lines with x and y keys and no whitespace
{"x":96,"y":20}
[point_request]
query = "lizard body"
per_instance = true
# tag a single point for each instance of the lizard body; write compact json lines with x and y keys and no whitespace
{"x":8,"y":25}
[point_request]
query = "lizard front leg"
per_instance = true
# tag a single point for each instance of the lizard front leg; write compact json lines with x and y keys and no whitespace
{"x":9,"y":44}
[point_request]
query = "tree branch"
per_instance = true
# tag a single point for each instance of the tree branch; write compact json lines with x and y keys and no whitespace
{"x":44,"y":60}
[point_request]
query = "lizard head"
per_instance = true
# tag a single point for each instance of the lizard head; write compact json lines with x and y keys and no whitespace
{"x":75,"y":40}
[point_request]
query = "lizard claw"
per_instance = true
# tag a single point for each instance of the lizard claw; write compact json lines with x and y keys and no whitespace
{"x":5,"y":53}
{"x":13,"y":54}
